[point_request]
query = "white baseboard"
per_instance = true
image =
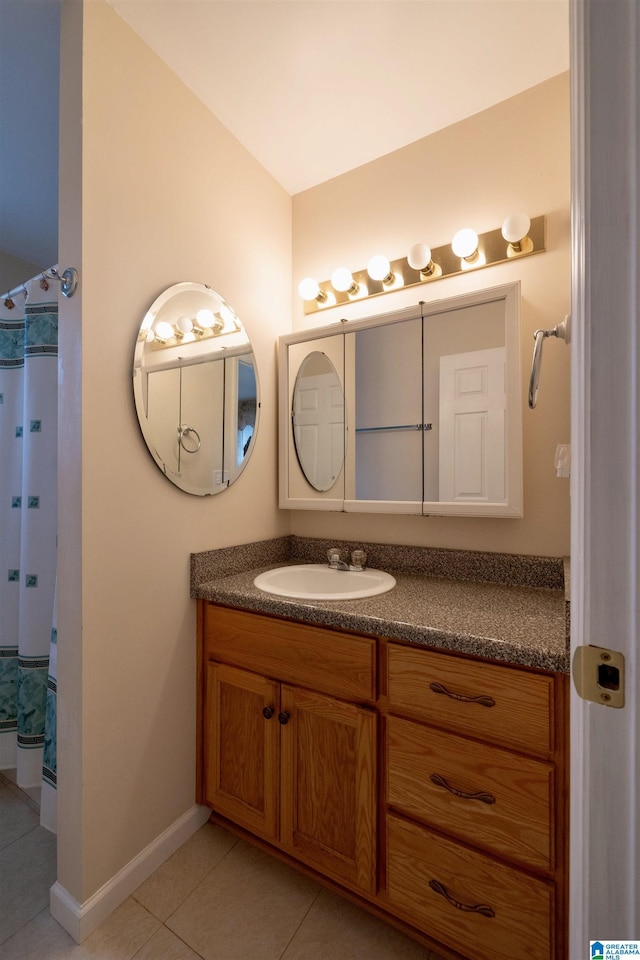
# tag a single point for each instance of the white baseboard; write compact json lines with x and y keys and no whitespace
{"x":80,"y":919}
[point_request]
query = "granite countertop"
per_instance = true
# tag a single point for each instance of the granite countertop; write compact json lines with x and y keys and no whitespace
{"x":516,"y":622}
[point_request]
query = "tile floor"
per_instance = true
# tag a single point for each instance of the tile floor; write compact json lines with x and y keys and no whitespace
{"x":216,"y":898}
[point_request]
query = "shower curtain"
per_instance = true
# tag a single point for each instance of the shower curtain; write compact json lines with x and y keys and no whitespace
{"x":28,"y":533}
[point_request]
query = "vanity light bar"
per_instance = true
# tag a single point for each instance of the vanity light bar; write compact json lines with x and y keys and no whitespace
{"x":186,"y":330}
{"x":492,"y":248}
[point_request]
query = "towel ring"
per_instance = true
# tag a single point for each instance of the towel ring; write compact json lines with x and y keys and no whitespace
{"x":563,"y":332}
{"x":185,"y":431}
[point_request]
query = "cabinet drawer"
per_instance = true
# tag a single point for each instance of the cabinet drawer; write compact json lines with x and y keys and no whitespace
{"x":495,"y":799}
{"x":329,"y":661}
{"x":483,"y":700}
{"x":475,"y":905}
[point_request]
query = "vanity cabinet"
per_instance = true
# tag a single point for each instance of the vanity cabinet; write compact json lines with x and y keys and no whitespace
{"x":293,"y":762}
{"x":430,"y":785}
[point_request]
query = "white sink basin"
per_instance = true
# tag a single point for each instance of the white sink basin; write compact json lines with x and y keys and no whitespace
{"x":317,"y":581}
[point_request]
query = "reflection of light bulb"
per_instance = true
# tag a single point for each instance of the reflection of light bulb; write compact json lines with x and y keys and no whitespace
{"x":185,"y":325}
{"x":205,"y":318}
{"x":343,"y":282}
{"x":309,"y":289}
{"x":379,"y":268}
{"x":465,"y":244}
{"x":150,"y":336}
{"x":227,"y":314}
{"x":164,"y":330}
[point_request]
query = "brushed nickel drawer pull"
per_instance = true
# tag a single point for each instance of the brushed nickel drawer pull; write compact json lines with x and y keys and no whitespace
{"x":482,"y":908}
{"x":483,"y":701}
{"x":441,"y":782}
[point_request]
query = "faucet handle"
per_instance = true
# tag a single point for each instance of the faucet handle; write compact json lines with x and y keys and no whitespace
{"x":333,"y":555}
{"x":358,"y":559}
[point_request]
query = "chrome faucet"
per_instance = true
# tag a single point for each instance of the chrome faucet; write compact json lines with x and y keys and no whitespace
{"x":358,"y":559}
{"x":335,"y":561}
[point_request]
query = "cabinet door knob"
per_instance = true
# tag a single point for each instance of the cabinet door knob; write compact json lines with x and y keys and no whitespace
{"x":482,"y":908}
{"x":481,"y":795}
{"x":267,"y":713}
{"x":283,"y":718}
{"x":482,"y":700}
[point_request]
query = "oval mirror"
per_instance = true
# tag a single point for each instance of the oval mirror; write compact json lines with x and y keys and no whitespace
{"x":195,"y":387}
{"x":318,"y":420}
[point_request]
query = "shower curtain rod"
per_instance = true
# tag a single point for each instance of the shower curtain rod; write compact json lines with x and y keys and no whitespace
{"x":68,"y":281}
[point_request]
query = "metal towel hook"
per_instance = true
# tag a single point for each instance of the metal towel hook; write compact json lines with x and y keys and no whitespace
{"x":563,"y":332}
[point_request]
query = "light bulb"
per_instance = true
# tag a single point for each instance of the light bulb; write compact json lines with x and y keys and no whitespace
{"x":515,"y":230}
{"x":343,"y":282}
{"x":184,"y":325}
{"x":465,"y":244}
{"x":419,"y":257}
{"x":309,"y":289}
{"x":379,"y":268}
{"x":147,"y":323}
{"x":516,"y":227}
{"x":150,"y":336}
{"x":164,"y":330}
{"x":227,"y":315}
{"x":205,"y":318}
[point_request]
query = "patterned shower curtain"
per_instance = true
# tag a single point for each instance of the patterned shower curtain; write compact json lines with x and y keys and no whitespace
{"x":28,"y":532}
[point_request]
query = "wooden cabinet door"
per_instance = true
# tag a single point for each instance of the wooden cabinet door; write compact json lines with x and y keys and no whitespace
{"x":241,"y":744}
{"x":328,"y":775}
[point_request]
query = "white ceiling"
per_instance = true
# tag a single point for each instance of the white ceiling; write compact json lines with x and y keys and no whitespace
{"x":312,"y":88}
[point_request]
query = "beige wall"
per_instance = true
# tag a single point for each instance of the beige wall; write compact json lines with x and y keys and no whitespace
{"x":156,"y":191}
{"x":512,"y":157}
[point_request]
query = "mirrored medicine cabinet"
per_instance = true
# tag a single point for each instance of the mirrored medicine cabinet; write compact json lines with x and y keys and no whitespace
{"x":417,"y":411}
{"x":195,"y":388}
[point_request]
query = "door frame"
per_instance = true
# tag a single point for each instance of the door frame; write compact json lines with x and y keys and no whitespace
{"x":605,"y":538}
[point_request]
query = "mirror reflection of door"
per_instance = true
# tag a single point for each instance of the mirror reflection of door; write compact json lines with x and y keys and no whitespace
{"x":318,"y":420}
{"x":472,"y":426}
{"x":194,"y":442}
{"x":469,"y":331}
{"x":183,"y":405}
